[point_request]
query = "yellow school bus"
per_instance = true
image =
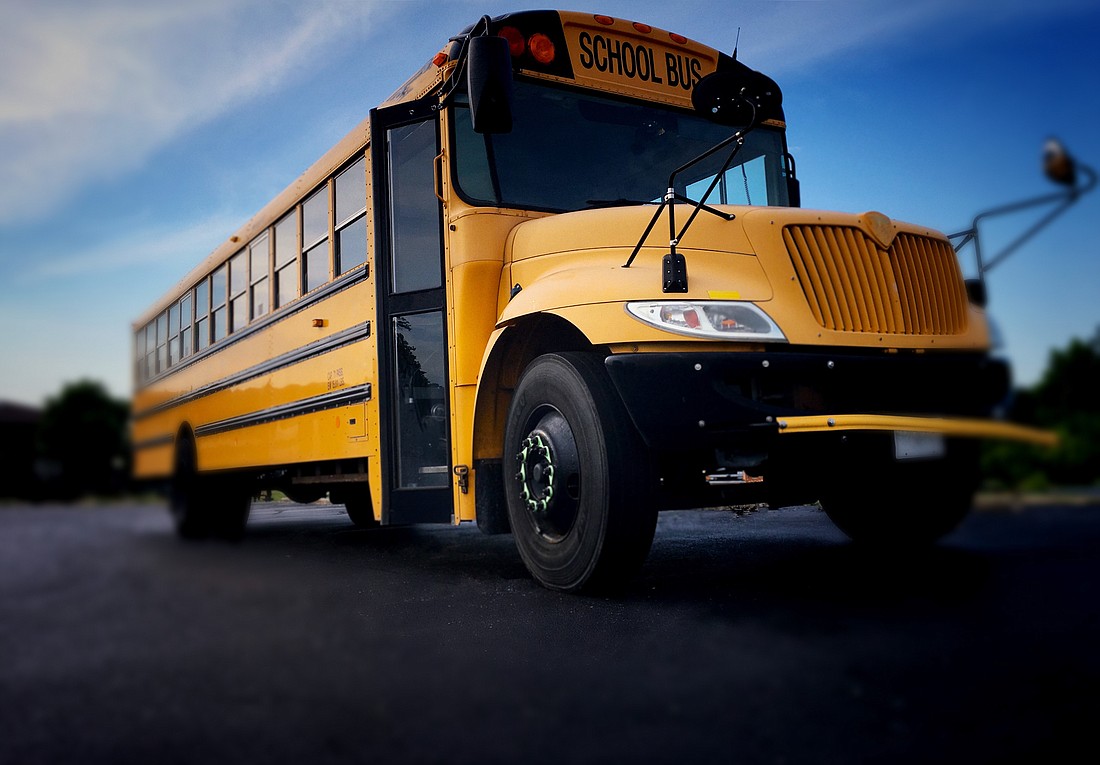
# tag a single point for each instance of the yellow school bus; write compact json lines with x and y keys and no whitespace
{"x":560,"y":280}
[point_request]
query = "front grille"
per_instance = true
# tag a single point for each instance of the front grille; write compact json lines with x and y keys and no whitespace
{"x":853,"y":285}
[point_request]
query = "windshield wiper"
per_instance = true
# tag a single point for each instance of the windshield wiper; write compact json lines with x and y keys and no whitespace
{"x":673,"y":266}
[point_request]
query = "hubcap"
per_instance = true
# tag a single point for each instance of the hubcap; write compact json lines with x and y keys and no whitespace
{"x":548,"y":474}
{"x":536,"y":473}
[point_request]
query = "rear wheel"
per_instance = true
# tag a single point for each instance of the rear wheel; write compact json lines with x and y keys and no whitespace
{"x":575,"y":475}
{"x":902,"y":504}
{"x":360,"y":509}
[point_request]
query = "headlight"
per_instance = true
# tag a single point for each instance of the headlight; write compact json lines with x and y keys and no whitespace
{"x":723,"y":320}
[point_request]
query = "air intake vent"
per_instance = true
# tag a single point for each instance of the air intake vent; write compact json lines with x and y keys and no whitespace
{"x":853,"y":285}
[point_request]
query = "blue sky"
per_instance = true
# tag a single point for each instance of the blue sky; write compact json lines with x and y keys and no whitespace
{"x":136,"y":135}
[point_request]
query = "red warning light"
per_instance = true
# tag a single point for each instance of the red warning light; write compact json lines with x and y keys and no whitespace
{"x":516,"y":45}
{"x":605,"y":20}
{"x":643,"y":28}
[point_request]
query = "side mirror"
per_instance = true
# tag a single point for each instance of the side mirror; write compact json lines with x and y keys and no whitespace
{"x":737,"y":97}
{"x":1058,"y":165}
{"x":794,"y":192}
{"x":489,"y":83}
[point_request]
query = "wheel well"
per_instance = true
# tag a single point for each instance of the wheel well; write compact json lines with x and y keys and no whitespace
{"x":185,"y":439}
{"x":518,"y":346}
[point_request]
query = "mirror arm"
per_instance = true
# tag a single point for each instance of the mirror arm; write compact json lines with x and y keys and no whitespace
{"x":1068,"y":198}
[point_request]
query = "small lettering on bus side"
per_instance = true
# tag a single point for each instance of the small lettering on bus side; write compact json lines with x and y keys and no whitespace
{"x":336,"y":379}
{"x":638,"y":62}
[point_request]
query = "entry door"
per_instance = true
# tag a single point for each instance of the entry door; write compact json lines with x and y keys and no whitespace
{"x":412,"y":333}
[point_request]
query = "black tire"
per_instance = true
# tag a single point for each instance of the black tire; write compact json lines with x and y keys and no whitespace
{"x":203,"y":505}
{"x":360,"y":509}
{"x":576,"y":477}
{"x":902,"y":504}
{"x":231,"y":503}
{"x":189,"y":499}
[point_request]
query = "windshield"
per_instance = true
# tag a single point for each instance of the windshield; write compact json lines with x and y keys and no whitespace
{"x":572,"y":151}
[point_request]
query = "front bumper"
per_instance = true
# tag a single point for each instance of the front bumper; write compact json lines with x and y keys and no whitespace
{"x":701,"y":400}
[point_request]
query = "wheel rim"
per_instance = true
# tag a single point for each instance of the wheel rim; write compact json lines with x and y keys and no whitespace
{"x":548,"y":474}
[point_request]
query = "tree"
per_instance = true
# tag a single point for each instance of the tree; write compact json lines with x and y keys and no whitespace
{"x":82,"y":441}
{"x":1066,"y":400}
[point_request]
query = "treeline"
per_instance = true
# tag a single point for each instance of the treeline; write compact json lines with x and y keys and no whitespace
{"x":1066,"y":400}
{"x":77,"y":445}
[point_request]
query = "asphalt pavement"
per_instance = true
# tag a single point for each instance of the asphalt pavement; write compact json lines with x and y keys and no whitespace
{"x":756,"y":638}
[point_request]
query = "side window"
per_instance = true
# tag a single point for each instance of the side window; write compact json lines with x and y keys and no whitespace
{"x":202,"y":314}
{"x":258,"y":259}
{"x":150,"y":349}
{"x":238,"y":291}
{"x":174,"y":335}
{"x":139,"y":355}
{"x":162,"y":342}
{"x":185,"y":326}
{"x":315,"y":249}
{"x":219,"y":313}
{"x":351,"y":219}
{"x":286,"y":259}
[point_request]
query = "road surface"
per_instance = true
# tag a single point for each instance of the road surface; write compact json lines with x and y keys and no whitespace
{"x":763,"y":638}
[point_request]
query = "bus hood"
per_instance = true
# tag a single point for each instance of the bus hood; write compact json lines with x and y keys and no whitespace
{"x":823,"y":277}
{"x":583,"y":254}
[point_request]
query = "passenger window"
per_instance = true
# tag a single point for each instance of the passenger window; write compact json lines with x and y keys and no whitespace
{"x":219,"y":324}
{"x":238,"y":292}
{"x":351,"y":220}
{"x":286,"y":259}
{"x":150,"y":350}
{"x":185,"y":326}
{"x":258,"y":254}
{"x":174,"y":335}
{"x":202,"y":314}
{"x":315,"y":240}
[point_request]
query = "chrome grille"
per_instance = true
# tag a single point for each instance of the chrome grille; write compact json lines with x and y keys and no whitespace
{"x":853,"y":285}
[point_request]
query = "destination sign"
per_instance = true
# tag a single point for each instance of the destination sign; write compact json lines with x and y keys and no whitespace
{"x":636,"y":64}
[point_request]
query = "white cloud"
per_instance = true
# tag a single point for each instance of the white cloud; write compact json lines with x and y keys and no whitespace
{"x":179,"y":246}
{"x":89,"y":90}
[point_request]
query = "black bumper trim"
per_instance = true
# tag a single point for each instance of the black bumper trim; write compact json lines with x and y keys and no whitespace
{"x":692,"y":400}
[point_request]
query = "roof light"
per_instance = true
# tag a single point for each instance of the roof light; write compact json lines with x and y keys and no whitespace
{"x":605,"y":20}
{"x":643,"y":28}
{"x":541,"y":47}
{"x":440,"y":59}
{"x":516,"y":45}
{"x":680,"y":39}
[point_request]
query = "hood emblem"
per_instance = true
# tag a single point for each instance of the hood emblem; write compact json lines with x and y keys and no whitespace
{"x":878,"y":227}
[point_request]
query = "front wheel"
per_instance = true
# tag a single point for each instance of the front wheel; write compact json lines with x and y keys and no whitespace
{"x":576,"y":478}
{"x":902,"y":504}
